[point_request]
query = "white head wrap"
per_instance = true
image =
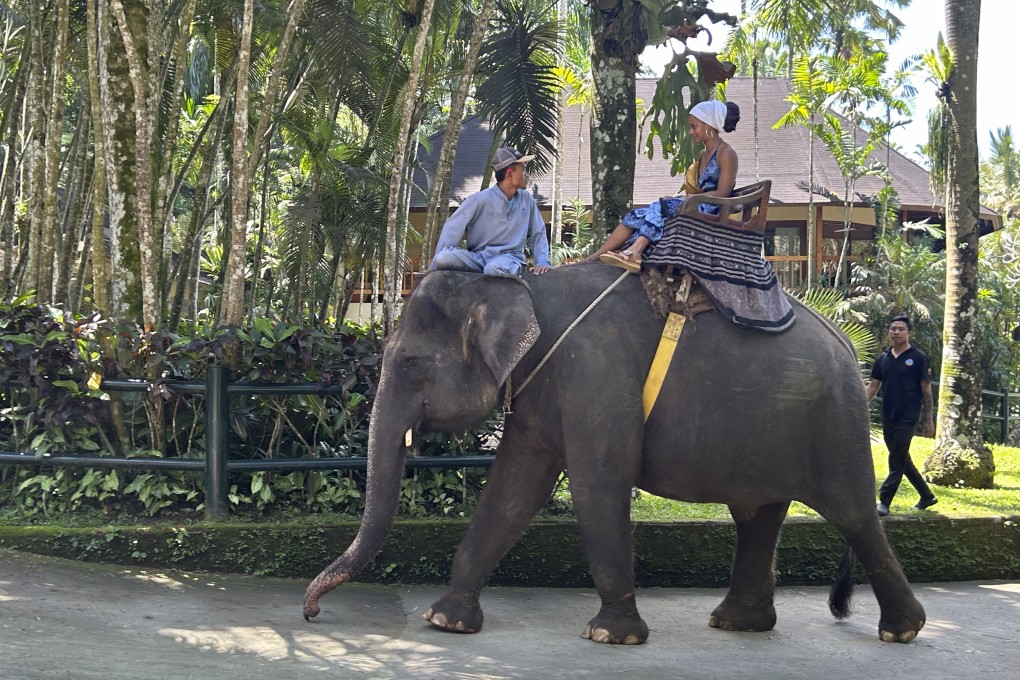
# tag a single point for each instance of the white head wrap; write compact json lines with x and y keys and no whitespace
{"x":712,"y":113}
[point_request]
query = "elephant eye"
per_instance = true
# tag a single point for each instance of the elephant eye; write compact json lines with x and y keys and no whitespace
{"x":412,"y":361}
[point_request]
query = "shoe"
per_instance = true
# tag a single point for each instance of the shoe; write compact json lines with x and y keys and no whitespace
{"x":622,"y":262}
{"x":882,"y":509}
{"x":926,"y":503}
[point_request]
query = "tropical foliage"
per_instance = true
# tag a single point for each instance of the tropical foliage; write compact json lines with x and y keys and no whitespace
{"x":198,"y":178}
{"x":54,"y":360}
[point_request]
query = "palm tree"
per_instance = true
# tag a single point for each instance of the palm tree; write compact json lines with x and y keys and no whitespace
{"x":808,"y":104}
{"x":574,"y":74}
{"x":960,"y":455}
{"x":852,"y":24}
{"x":439,"y":194}
{"x":999,"y":270}
{"x":232,"y":302}
{"x":395,"y":231}
{"x":1000,"y":175}
{"x":853,"y":162}
{"x":904,"y":275}
{"x":937,"y":64}
{"x":517,"y":90}
{"x":900,"y":90}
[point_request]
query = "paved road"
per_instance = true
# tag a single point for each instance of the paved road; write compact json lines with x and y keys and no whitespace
{"x":78,"y":621}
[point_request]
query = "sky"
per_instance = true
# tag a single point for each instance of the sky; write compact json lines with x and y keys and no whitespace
{"x":998,"y":89}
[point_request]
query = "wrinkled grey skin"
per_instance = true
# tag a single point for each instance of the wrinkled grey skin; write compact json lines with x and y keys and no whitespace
{"x":744,"y":418}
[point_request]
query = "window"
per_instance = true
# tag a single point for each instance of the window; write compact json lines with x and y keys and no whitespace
{"x":783,"y":241}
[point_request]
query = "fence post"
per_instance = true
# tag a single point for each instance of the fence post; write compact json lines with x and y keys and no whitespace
{"x":217,"y":424}
{"x":1004,"y":405}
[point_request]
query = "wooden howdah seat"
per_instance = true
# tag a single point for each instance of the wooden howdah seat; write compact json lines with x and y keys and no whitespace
{"x":749,"y":203}
{"x":725,"y":262}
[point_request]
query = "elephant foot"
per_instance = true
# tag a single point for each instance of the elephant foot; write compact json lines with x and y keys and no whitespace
{"x":747,"y":616}
{"x":903,"y":628}
{"x":616,"y":630}
{"x":456,"y":614}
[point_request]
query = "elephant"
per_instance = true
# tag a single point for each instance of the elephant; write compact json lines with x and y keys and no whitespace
{"x":744,"y":418}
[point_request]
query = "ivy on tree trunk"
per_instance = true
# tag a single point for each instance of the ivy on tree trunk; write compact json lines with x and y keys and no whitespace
{"x":960,"y":457}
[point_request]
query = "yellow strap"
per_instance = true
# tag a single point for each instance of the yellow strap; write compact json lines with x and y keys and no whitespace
{"x":663,"y":357}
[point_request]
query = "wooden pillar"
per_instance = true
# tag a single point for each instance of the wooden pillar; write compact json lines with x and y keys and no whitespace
{"x":818,"y":240}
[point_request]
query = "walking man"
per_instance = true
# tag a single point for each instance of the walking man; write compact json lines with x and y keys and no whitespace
{"x":496,"y":223}
{"x":903,"y":371}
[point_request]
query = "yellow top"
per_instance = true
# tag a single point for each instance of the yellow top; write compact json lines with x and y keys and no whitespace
{"x":691,"y":180}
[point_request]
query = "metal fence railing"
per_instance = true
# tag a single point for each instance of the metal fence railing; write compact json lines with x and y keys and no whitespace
{"x":1001,"y":415}
{"x":217,"y":463}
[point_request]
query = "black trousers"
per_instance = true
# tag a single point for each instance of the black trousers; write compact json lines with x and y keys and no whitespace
{"x":897,"y":439}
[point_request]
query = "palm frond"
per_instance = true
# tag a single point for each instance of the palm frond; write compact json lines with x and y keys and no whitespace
{"x":519,"y":84}
{"x":833,"y":305}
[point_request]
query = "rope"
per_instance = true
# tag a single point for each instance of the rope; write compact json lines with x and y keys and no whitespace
{"x":510,"y":396}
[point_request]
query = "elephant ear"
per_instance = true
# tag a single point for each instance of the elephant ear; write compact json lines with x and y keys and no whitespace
{"x":501,"y":323}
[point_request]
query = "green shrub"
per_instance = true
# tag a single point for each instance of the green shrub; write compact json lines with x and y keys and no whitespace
{"x":51,"y":366}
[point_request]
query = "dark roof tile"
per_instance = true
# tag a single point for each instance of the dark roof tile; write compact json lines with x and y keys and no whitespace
{"x":782,"y":157}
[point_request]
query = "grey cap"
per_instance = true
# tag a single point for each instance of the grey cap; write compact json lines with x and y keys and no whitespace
{"x":507,"y":156}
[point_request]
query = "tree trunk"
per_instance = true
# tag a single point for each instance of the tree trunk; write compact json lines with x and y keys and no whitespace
{"x":185,"y":275}
{"x":136,"y":30}
{"x":960,"y":456}
{"x":812,"y":242}
{"x":163,"y":207}
{"x":436,"y":211}
{"x":294,"y":14}
{"x":51,"y":236}
{"x":77,"y":181}
{"x":556,"y":231}
{"x":8,"y":186}
{"x":260,"y":242}
{"x":115,"y":108}
{"x":392,"y":268}
{"x":618,"y":38}
{"x":35,"y":153}
{"x":232,"y":303}
{"x":97,"y":32}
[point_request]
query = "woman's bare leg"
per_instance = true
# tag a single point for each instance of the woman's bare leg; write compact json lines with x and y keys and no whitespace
{"x":615,"y":241}
{"x":633,"y":253}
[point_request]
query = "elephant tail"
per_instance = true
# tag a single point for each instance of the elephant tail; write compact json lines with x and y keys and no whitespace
{"x":841,"y":594}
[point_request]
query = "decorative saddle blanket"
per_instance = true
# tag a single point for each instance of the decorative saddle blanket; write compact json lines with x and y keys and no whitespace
{"x":729,"y":266}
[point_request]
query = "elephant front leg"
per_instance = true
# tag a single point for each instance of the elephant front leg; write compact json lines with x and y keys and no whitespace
{"x":519,"y":484}
{"x":749,"y":604}
{"x":603,"y":513}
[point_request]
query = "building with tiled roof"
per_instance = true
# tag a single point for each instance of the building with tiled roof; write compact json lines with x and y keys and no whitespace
{"x":781,"y":157}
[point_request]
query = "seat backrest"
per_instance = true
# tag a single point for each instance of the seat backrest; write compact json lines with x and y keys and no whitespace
{"x":750,"y":202}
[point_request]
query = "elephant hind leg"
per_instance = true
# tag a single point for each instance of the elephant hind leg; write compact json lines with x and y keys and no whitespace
{"x":749,"y":604}
{"x":902,"y":616}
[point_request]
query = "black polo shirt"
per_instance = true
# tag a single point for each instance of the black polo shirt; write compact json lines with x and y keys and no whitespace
{"x":901,"y":383}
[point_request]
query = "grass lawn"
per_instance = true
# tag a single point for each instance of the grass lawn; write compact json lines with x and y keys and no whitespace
{"x":1003,"y":499}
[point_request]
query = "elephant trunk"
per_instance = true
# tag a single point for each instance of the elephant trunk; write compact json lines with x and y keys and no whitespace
{"x":386,"y":454}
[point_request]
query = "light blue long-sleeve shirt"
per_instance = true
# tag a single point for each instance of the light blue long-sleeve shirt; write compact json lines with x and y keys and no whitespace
{"x":495,"y":225}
